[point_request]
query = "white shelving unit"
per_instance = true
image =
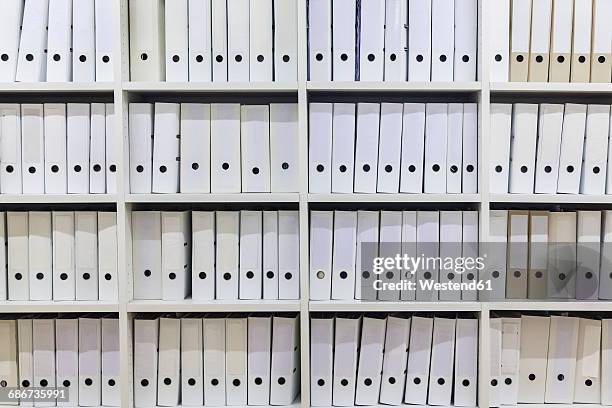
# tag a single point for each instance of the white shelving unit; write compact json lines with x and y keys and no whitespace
{"x":122,"y":91}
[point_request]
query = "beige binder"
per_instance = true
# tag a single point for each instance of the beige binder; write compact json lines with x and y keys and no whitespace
{"x":561,"y":41}
{"x":519,"y":40}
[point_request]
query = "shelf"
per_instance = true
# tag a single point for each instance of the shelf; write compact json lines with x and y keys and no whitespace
{"x":551,"y":198}
{"x":50,"y":306}
{"x":214,"y":198}
{"x":548,"y":305}
{"x":394,"y":198}
{"x":294,"y":405}
{"x":211,"y":87}
{"x":188,"y":305}
{"x":57,"y":198}
{"x":57,"y":87}
{"x":550,"y":87}
{"x":405,"y":86}
{"x":381,"y":306}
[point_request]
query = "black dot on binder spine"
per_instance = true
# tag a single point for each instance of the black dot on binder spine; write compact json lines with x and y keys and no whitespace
{"x":144,"y":56}
{"x":97,"y":168}
{"x":227,"y":276}
{"x":214,"y":382}
{"x":66,"y":383}
{"x":435,"y":168}
{"x":25,"y":383}
{"x":286,"y":58}
{"x":443,"y":58}
{"x":320,"y":382}
{"x":342,"y":168}
{"x":441,"y":381}
{"x":236,"y":382}
{"x":532,"y":377}
{"x":412,"y":168}
{"x":547,"y":169}
{"x":319,"y":57}
{"x":560,"y":377}
{"x":388,"y":168}
{"x":238,"y":58}
{"x":498,"y":57}
{"x":9,"y":169}
{"x":77,"y":168}
{"x":163,"y":169}
{"x":111,"y":382}
{"x":63,"y":276}
{"x":86,"y":276}
{"x":255,"y":170}
{"x":167,"y":381}
{"x":581,"y":59}
{"x":288,"y":275}
{"x":44,"y":383}
{"x":269,"y":274}
{"x":191,"y":381}
{"x":57,"y":57}
{"x":108,"y":276}
{"x":465,"y":383}
{"x":250,"y":275}
{"x":419,"y":58}
{"x":454,"y":169}
{"x":596,"y":170}
{"x":391,"y":380}
{"x":106,"y":59}
{"x":281,"y":380}
{"x":112,"y":168}
{"x":560,"y":59}
{"x":199,"y":58}
{"x":343,"y":275}
{"x":320,"y":168}
{"x":520,"y":58}
{"x":366,"y":168}
{"x":539,"y":58}
{"x":508,"y":381}
{"x":202,"y":275}
{"x":495,"y":274}
{"x":494,"y":382}
{"x":498,"y":169}
{"x":588,"y":383}
{"x":18,"y":276}
{"x":225,"y":166}
{"x":601,"y":59}
{"x":343,"y":57}
{"x":367,"y":382}
{"x":40,"y":276}
{"x":31,"y":169}
{"x":392,"y":57}
{"x":258,"y":381}
{"x":147,"y":273}
{"x":4,"y":57}
{"x":88,"y":382}
{"x":260,"y":58}
{"x":172,"y":276}
{"x":176,"y":58}
{"x":29,"y":57}
{"x":82,"y":58}
{"x":465,"y":58}
{"x":285,"y":166}
{"x":219,"y":58}
{"x":416,"y":380}
{"x":144,"y":382}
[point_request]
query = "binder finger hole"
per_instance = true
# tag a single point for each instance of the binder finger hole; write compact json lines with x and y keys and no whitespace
{"x":97,"y":168}
{"x":77,"y":168}
{"x":3,"y":383}
{"x":581,"y":59}
{"x":435,"y":168}
{"x":465,"y":58}
{"x":191,"y":382}
{"x":144,"y":56}
{"x":66,"y":383}
{"x":494,"y":382}
{"x":498,"y":169}
{"x":469,"y":168}
{"x":219,"y":58}
{"x":366,"y":168}
{"x":147,"y":273}
{"x":517,"y":274}
{"x":508,"y":381}
{"x":520,"y":58}
{"x":596,"y":170}
{"x":442,"y":58}
{"x":172,"y":276}
{"x":320,"y":382}
{"x":88,"y":382}
{"x":393,"y":57}
{"x":250,"y":275}
{"x":427,"y":275}
{"x":106,"y":59}
{"x":588,"y":383}
{"x":391,"y":380}
{"x":498,"y":57}
{"x":82,"y":58}
{"x":25,"y":383}
{"x":167,"y":381}
{"x":44,"y":383}
{"x":560,"y":59}
{"x":601,"y":59}
{"x":539,"y":59}
{"x":562,"y":276}
{"x":57,"y":57}
{"x":4,"y":57}
{"x":260,"y":58}
{"x":388,"y":168}
{"x":199,"y":58}
{"x":344,"y":382}
{"x":495,"y":274}
{"x":524,"y":169}
{"x":286,"y":58}
{"x":86,"y":276}
{"x":238,"y":58}
{"x":108,"y":276}
{"x":176,"y":58}
{"x":63,"y":276}
{"x":342,"y":168}
{"x":40,"y":276}
{"x":412,"y":168}
{"x":441,"y":381}
{"x":371,"y":57}
{"x":285,"y":166}
{"x":588,"y":275}
{"x":539,"y":274}
{"x":9,"y":169}
{"x":202,"y":275}
{"x":416,"y":380}
{"x":320,"y":168}
{"x":367,"y":382}
{"x":18,"y":276}
{"x":163,"y":169}
{"x":258,"y":381}
{"x":532,"y":377}
{"x":225,"y":166}
{"x":214,"y":382}
{"x":454,"y":169}
{"x":112,"y":168}
{"x":419,"y":58}
{"x":465,"y":383}
{"x":288,"y":275}
{"x":343,"y":275}
{"x":139,"y":168}
{"x":450,"y":276}
{"x":470,"y":276}
{"x":319,"y":57}
{"x":365,"y":275}
{"x":29,"y":57}
{"x":144,"y":382}
{"x":269,"y":274}
{"x":547,"y":169}
{"x":227,"y":276}
{"x":236,"y":382}
{"x":560,"y":377}
{"x":281,"y":380}
{"x":255,"y":170}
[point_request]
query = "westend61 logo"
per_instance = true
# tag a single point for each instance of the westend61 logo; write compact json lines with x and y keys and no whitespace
{"x":406,"y":266}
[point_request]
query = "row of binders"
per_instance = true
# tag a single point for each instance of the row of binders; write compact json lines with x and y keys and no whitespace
{"x":554,"y":255}
{"x":58,"y":255}
{"x":551,"y":41}
{"x":58,"y":148}
{"x":392,"y":40}
{"x":393,"y":360}
{"x":550,"y":359}
{"x":218,"y":148}
{"x":393,"y":147}
{"x":216,"y":255}
{"x":56,"y":41}
{"x":213,"y":40}
{"x":216,"y":361}
{"x":344,"y":244}
{"x":80,"y":355}
{"x":550,"y":148}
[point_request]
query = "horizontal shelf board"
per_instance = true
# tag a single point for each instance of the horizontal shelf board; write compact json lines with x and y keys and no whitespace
{"x":381,"y":306}
{"x":203,"y":87}
{"x":548,"y":305}
{"x":214,"y":198}
{"x":56,"y":198}
{"x":549,"y":87}
{"x":57,"y":87}
{"x":294,"y":405}
{"x":389,"y":198}
{"x":50,"y":306}
{"x":551,"y":198}
{"x":404,"y":86}
{"x":188,"y":305}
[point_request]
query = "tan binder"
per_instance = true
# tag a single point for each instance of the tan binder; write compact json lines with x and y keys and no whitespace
{"x":561,"y":41}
